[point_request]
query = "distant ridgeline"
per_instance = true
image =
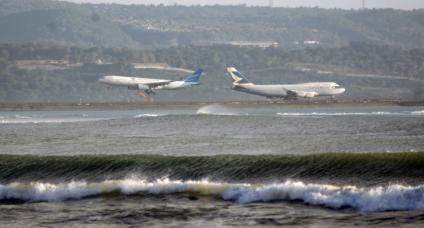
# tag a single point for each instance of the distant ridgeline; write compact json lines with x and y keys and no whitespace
{"x":124,"y":26}
{"x":41,"y":73}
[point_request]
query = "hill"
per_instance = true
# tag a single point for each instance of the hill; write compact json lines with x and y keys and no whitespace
{"x":64,"y":27}
{"x":138,"y":26}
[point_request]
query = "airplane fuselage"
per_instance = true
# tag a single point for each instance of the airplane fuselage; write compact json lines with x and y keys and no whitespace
{"x":126,"y":81}
{"x":135,"y":82}
{"x":312,"y":89}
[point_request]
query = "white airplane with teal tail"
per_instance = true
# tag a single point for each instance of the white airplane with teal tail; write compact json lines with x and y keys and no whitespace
{"x":285,"y":91}
{"x":151,"y":85}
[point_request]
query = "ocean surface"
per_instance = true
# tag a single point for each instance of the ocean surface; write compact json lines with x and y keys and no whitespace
{"x":213,"y":166}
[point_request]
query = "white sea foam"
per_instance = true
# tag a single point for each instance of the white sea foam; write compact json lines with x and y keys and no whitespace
{"x":392,"y":197}
{"x":39,"y":191}
{"x":349,"y":113}
{"x":216,"y":109}
{"x":330,"y":113}
{"x":387,"y":198}
{"x":48,"y":120}
{"x":23,"y":117}
{"x":146,"y":115}
{"x":420,"y":112}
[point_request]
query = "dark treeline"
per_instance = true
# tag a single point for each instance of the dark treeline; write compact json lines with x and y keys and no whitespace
{"x":360,"y":57}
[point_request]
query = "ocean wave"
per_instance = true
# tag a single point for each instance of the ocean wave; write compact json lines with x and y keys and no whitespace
{"x":219,"y":110}
{"x":40,"y":118}
{"x":23,"y":117}
{"x":324,"y":113}
{"x":420,"y":112}
{"x":340,"y":167}
{"x":350,"y":113}
{"x":372,"y":199}
{"x":48,"y":120}
{"x":146,"y":115}
{"x":51,"y":192}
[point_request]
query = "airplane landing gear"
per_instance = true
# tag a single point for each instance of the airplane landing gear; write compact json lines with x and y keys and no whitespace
{"x":149,"y":91}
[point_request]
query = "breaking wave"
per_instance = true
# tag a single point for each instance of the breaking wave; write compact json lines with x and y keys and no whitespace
{"x":146,"y":115}
{"x":380,"y":113}
{"x":35,"y":119}
{"x":364,"y":182}
{"x":380,"y":198}
{"x":371,"y":199}
{"x":216,"y":109}
{"x":40,"y":121}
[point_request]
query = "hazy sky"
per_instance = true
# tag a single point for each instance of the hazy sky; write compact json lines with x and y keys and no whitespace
{"x":345,"y":4}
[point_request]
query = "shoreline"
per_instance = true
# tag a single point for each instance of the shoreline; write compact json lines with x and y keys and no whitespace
{"x":69,"y":106}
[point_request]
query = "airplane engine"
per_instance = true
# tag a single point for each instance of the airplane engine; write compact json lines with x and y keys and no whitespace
{"x":143,"y":87}
{"x":306,"y":94}
{"x":311,"y":94}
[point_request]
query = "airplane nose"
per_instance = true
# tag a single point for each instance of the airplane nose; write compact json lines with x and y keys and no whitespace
{"x":102,"y":79}
{"x":342,"y":90}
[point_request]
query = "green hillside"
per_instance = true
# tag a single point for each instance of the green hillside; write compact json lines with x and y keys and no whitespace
{"x":65,"y":27}
{"x":137,"y":26}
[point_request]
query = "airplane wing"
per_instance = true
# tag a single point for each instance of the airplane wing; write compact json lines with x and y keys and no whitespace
{"x":151,"y":82}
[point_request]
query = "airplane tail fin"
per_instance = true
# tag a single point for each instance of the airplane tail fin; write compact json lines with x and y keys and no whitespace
{"x":237,"y":76}
{"x":195,"y":77}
